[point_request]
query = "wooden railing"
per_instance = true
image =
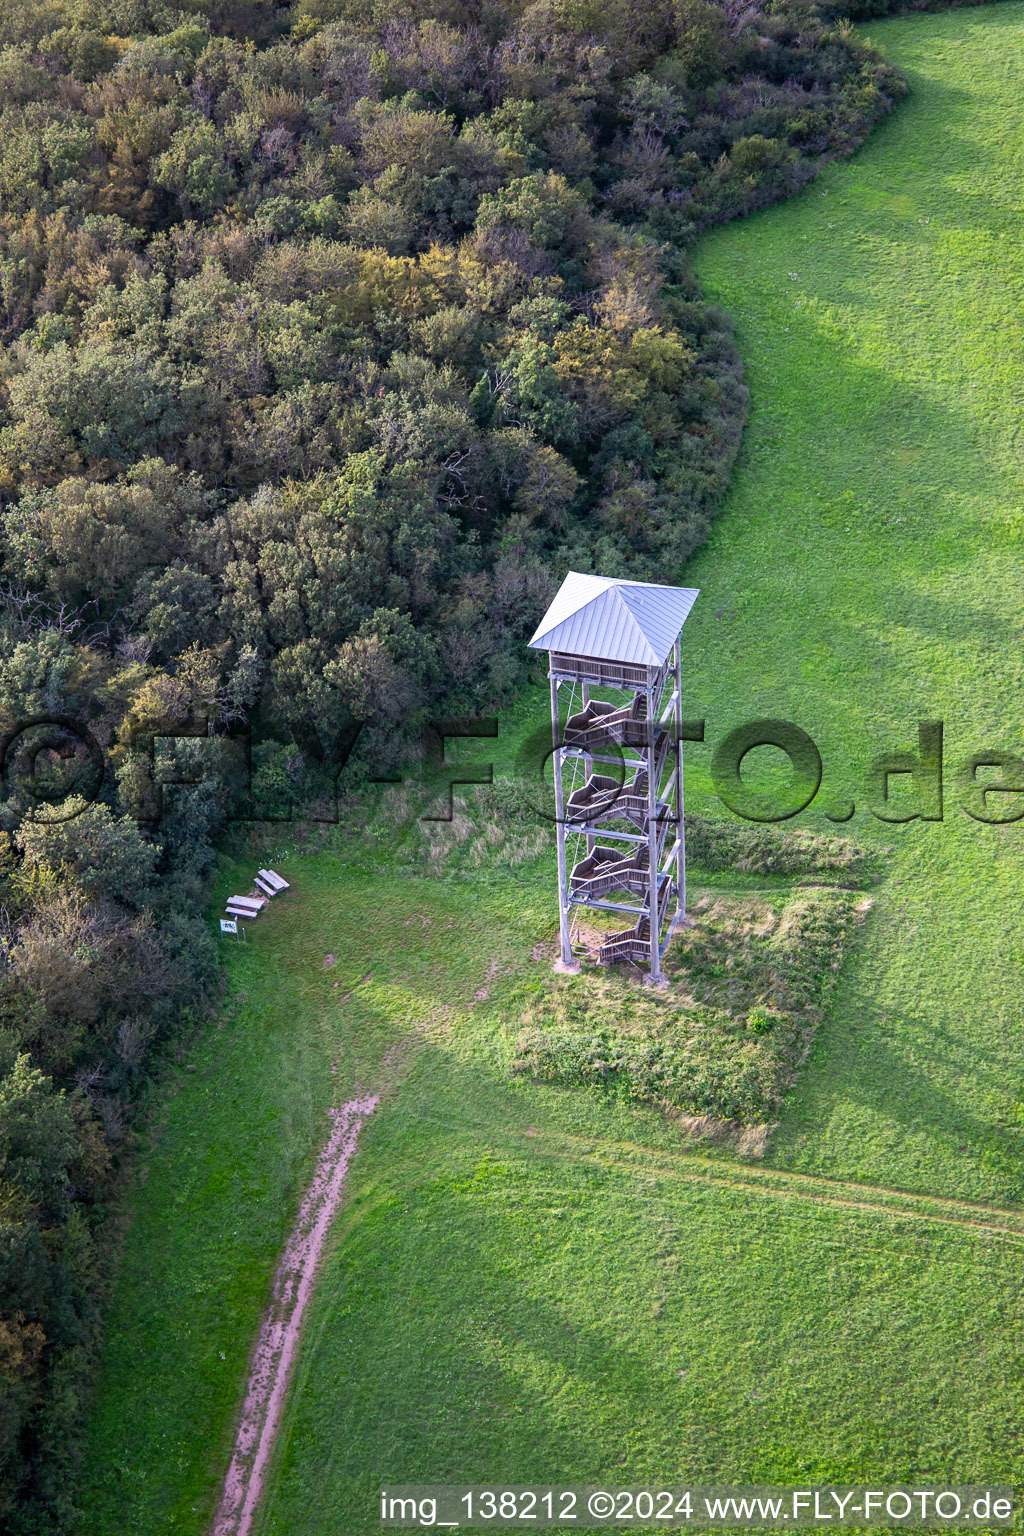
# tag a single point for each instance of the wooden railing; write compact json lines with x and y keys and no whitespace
{"x":608,"y":674}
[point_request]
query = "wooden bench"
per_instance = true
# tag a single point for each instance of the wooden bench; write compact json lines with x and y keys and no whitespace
{"x":270,"y":882}
{"x":245,"y":906}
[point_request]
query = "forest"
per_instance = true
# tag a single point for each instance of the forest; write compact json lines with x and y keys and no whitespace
{"x":331,"y":335}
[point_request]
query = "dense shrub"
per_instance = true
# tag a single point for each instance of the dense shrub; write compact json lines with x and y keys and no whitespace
{"x":332,"y":353}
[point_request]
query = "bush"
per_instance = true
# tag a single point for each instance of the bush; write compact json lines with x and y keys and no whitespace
{"x":759,"y":1021}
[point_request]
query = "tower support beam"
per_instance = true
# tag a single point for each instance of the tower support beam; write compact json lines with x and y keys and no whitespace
{"x":565,"y":939}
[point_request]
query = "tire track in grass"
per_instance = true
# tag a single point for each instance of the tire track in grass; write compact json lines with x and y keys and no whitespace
{"x":278,"y":1338}
{"x":998,"y":1221}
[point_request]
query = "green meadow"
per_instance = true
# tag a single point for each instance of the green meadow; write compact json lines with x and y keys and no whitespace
{"x":867,"y":574}
{"x":535,"y":1283}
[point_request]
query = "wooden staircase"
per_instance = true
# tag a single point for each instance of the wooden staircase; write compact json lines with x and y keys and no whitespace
{"x":607,"y":870}
{"x":635,"y":943}
{"x":599,"y":723}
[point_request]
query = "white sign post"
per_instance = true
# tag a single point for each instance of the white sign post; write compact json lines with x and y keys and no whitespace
{"x":229,"y":925}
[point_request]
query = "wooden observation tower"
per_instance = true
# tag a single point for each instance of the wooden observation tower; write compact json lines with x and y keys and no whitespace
{"x":618,"y":759}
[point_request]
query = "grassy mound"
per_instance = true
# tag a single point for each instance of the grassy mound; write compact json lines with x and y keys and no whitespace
{"x":747,"y":983}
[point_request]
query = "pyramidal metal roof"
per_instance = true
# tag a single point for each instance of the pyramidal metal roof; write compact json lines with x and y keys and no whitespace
{"x":614,"y":620}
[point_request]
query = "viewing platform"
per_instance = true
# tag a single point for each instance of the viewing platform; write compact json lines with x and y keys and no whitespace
{"x":623,"y":638}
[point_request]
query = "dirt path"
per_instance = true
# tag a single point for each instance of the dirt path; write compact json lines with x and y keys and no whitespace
{"x":279,"y":1334}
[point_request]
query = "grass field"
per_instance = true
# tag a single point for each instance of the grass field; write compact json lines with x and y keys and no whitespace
{"x":538,"y":1283}
{"x":868,"y":574}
